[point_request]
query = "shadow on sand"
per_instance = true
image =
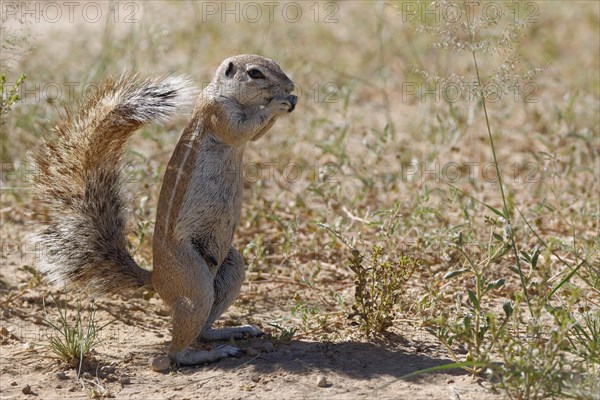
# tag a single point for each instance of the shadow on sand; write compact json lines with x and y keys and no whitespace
{"x":356,"y":360}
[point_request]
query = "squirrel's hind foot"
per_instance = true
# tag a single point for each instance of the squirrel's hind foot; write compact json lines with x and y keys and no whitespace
{"x":235,"y":332}
{"x":191,"y":358}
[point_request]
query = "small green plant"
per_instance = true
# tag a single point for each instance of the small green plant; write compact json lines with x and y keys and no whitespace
{"x":74,"y":336}
{"x":378,"y":288}
{"x":585,"y":337}
{"x":311,"y":316}
{"x":8,"y":97}
{"x":535,"y":360}
{"x":35,"y":278}
{"x":470,"y":324}
{"x":285,"y":334}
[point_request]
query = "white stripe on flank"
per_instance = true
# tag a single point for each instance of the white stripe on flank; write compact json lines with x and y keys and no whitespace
{"x":176,"y":184}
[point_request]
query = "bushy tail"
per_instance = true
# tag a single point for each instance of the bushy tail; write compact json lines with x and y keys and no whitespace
{"x":79,"y":169}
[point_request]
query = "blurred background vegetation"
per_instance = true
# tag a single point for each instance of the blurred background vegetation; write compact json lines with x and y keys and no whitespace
{"x":375,"y":155}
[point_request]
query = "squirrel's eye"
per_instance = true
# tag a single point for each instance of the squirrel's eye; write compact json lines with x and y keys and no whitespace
{"x":255,"y":74}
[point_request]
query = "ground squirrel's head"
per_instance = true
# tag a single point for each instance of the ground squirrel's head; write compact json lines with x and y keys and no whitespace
{"x":252,"y":80}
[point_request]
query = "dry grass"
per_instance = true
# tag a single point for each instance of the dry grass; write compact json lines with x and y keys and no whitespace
{"x":365,"y":158}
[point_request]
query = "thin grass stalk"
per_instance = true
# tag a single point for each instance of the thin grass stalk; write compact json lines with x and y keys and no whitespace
{"x":500,"y":182}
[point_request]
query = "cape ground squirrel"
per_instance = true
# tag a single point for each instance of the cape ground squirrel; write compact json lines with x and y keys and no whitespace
{"x":195,"y":269}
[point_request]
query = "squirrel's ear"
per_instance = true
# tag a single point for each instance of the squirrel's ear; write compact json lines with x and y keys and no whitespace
{"x":230,"y":71}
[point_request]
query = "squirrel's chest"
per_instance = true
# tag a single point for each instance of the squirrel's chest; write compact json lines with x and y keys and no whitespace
{"x":213,"y":195}
{"x":217,"y":184}
{"x":217,"y":174}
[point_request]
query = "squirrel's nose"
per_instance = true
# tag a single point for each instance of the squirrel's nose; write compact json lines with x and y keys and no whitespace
{"x":289,"y":87}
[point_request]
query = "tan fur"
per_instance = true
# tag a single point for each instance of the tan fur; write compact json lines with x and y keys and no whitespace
{"x":195,"y":269}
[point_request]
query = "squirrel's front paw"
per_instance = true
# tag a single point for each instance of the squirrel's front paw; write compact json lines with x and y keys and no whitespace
{"x":293,"y":101}
{"x":283,"y":105}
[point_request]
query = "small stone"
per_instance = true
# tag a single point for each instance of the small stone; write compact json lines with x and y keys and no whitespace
{"x":124,"y":380}
{"x":251,"y":351}
{"x":255,"y":378}
{"x":13,"y":383}
{"x":322,"y":381}
{"x":449,"y":381}
{"x":62,"y":375}
{"x":160,"y":363}
{"x":267,"y":347}
{"x":108,"y":369}
{"x":26,"y":389}
{"x":163,"y":312}
{"x":28,"y":346}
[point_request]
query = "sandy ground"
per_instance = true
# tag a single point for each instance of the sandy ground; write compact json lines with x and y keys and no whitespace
{"x":140,"y":330}
{"x":162,"y":43}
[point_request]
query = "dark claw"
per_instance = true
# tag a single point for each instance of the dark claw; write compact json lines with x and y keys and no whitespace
{"x":293,"y":101}
{"x":240,"y":353}
{"x":211,"y":260}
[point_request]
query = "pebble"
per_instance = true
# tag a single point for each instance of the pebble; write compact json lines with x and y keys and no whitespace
{"x":13,"y":383}
{"x":26,"y":389}
{"x":322,"y":381}
{"x":28,"y":346}
{"x":160,"y":363}
{"x":62,"y":375}
{"x":124,"y":380}
{"x":267,"y":347}
{"x":108,"y":369}
{"x":251,"y":351}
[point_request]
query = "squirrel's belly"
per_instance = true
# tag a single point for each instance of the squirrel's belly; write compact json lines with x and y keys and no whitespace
{"x":209,"y":216}
{"x":210,"y":231}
